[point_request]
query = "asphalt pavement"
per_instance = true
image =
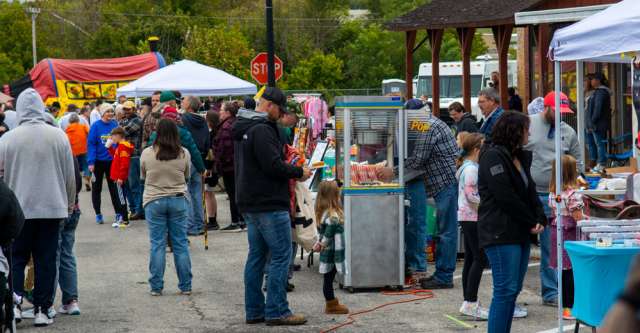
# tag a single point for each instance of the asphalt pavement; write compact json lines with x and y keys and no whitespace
{"x":114,"y":292}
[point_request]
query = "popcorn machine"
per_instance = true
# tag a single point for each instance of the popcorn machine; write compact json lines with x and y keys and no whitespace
{"x":368,"y":138}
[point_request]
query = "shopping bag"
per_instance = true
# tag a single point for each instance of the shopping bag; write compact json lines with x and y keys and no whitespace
{"x":305,"y":233}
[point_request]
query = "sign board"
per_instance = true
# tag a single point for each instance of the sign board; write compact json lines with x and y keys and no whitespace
{"x":259,"y":71}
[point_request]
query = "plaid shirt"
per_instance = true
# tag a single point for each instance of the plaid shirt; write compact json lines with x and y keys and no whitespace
{"x":435,"y":152}
{"x":132,"y":132}
{"x":332,"y":239}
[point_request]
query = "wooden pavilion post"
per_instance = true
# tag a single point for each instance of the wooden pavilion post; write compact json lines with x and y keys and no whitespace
{"x":410,"y":42}
{"x":502,"y":36}
{"x":465,"y":38}
{"x":435,"y":39}
{"x":542,"y":67}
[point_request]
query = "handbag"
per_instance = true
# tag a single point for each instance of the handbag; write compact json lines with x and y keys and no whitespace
{"x":305,"y":231}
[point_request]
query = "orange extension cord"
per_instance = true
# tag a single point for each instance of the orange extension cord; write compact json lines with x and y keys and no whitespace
{"x":421,"y":294}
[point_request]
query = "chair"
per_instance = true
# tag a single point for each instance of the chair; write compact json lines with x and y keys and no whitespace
{"x":616,"y":149}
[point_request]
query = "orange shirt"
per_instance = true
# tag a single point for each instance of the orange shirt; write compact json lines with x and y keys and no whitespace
{"x":77,"y":134}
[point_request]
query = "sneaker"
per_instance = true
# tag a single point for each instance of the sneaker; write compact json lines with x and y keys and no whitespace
{"x":231,"y":228}
{"x":156,"y":293}
{"x":17,"y":313}
{"x":255,"y":321}
{"x":41,"y":318}
{"x":213,"y":226}
{"x":291,"y":320}
{"x":566,"y":314}
{"x":435,"y":284}
{"x":30,"y":314}
{"x":71,"y":309}
{"x":474,"y":310}
{"x":520,"y":312}
{"x":553,"y":302}
{"x":137,"y":216}
{"x":99,"y":219}
{"x":290,"y":287}
{"x":115,"y":224}
{"x":186,"y":293}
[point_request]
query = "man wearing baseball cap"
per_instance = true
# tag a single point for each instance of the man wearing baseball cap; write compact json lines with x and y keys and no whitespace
{"x":262,"y":195}
{"x":542,"y":132}
{"x":132,"y":126}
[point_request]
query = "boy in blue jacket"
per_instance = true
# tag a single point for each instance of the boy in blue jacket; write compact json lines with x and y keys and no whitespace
{"x":99,"y":160}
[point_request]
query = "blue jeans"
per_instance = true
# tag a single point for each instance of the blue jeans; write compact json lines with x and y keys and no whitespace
{"x":597,"y":146}
{"x":66,"y":263}
{"x":168,"y":213}
{"x":447,"y":237}
{"x":269,"y":233}
{"x":83,"y":165}
{"x":134,"y":195}
{"x":415,"y":232}
{"x":548,"y":277}
{"x":508,"y":267}
{"x":196,"y":213}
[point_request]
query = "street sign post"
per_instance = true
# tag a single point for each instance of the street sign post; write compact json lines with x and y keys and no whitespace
{"x":259,"y":68}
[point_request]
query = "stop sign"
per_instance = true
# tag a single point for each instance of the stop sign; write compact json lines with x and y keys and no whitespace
{"x":259,"y":68}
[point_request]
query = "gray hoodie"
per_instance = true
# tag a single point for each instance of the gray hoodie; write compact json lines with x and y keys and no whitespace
{"x":544,"y":150}
{"x":36,"y":162}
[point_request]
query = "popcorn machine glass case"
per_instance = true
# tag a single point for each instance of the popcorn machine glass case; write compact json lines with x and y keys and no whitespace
{"x":368,"y":132}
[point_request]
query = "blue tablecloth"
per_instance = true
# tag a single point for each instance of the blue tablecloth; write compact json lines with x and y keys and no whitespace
{"x":599,"y":275}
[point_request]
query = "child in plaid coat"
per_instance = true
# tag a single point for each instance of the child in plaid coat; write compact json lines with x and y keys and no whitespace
{"x":330,"y":218}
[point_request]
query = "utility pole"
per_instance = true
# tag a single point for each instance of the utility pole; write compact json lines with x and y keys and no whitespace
{"x":34,"y":13}
{"x":271,"y":68}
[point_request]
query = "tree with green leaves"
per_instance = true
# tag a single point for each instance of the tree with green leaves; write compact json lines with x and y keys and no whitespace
{"x":318,"y":72}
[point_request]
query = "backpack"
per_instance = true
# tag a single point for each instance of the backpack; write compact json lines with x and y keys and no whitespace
{"x":11,"y":216}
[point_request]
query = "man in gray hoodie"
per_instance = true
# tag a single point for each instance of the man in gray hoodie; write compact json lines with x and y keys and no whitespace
{"x":37,"y":164}
{"x":542,"y":132}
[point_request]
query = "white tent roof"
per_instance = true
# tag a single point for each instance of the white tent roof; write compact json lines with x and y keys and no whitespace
{"x":602,"y":37}
{"x":189,"y":78}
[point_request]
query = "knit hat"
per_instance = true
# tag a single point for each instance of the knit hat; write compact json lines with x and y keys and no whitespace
{"x":166,"y":96}
{"x":104,"y":108}
{"x":536,"y":106}
{"x":129,"y":105}
{"x":170,"y":113}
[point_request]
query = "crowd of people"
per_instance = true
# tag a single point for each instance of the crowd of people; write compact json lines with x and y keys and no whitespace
{"x":162,"y":160}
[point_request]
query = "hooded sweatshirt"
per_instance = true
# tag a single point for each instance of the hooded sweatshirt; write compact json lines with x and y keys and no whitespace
{"x":262,"y":175}
{"x":599,"y":110}
{"x":36,"y":162}
{"x":121,"y":159}
{"x":468,"y":123}
{"x":98,"y":134}
{"x":197,"y":126}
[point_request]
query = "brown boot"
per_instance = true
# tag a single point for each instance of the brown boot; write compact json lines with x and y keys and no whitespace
{"x":334,"y":307}
{"x":292,"y":320}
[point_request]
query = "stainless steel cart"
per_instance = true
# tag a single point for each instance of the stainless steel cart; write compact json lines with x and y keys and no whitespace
{"x":368,"y":138}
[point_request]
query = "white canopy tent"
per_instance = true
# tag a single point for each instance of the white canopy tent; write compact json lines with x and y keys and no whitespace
{"x":190,"y":78}
{"x":611,"y":35}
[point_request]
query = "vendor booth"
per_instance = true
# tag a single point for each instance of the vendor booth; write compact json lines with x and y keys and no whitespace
{"x":369,"y":132}
{"x":608,"y":36}
{"x":71,"y":81}
{"x":190,"y":78}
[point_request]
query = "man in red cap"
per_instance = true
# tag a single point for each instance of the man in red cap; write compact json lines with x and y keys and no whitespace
{"x":542,"y":132}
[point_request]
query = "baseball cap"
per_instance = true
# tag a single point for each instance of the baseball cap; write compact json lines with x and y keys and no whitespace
{"x":276,"y":96}
{"x":129,"y":105}
{"x":170,"y":113}
{"x":166,"y":96}
{"x":550,"y":101}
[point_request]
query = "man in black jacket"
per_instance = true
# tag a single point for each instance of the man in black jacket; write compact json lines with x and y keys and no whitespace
{"x":197,"y":126}
{"x":464,"y":121}
{"x":11,"y":222}
{"x":599,"y":120}
{"x":262,"y":196}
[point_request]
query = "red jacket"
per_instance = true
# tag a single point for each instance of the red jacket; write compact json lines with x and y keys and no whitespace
{"x":121,"y":158}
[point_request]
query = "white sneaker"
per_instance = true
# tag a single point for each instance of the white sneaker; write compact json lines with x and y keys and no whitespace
{"x":115,"y":224}
{"x":42,"y":319}
{"x":473,"y":309}
{"x":29,"y":313}
{"x":17,"y":313}
{"x":71,"y":309}
{"x":520,"y":312}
